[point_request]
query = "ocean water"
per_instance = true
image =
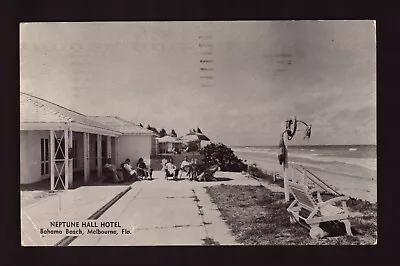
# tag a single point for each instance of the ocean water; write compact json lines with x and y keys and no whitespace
{"x":352,"y":160}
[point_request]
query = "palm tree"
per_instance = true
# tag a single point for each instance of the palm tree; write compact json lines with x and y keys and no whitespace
{"x":173,"y":133}
{"x":162,"y":133}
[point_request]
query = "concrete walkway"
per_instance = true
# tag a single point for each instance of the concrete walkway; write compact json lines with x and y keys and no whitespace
{"x":162,"y":212}
{"x":157,"y":212}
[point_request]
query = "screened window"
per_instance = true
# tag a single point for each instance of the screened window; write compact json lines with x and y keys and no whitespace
{"x":44,"y":156}
{"x":75,"y":153}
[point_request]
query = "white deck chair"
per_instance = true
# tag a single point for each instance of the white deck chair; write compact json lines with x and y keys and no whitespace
{"x":320,"y":211}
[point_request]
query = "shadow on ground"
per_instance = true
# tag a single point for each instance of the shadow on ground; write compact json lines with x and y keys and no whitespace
{"x":108,"y":183}
{"x":219,"y":179}
{"x":177,"y":180}
{"x":79,"y":181}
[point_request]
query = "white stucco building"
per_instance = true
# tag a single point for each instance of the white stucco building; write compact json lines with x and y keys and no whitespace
{"x":167,"y":144}
{"x":47,"y":130}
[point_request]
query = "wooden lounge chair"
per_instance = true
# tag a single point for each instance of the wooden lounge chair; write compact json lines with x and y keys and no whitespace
{"x":320,"y":211}
{"x":208,"y":173}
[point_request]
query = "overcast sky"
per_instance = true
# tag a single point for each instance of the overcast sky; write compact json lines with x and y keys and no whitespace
{"x":323,"y":72}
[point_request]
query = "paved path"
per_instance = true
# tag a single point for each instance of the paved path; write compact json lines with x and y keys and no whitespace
{"x":161,"y":212}
{"x":157,"y":212}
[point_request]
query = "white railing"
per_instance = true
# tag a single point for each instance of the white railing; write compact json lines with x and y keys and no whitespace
{"x":60,"y":172}
{"x":300,"y":174}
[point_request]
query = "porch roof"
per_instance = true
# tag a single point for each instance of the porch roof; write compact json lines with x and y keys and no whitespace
{"x":39,"y":114}
{"x":124,"y":126}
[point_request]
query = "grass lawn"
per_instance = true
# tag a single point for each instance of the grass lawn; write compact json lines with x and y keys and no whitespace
{"x":258,"y":216}
{"x":267,"y":177}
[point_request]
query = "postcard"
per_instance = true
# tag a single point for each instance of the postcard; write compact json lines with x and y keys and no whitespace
{"x":197,"y":133}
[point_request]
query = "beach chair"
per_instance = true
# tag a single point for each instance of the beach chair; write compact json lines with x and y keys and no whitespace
{"x":319,"y":210}
{"x":208,"y":174}
{"x":163,"y":166}
{"x":125,"y":174}
{"x":108,"y":175}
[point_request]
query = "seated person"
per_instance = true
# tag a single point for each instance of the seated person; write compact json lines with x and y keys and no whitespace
{"x":129,"y":172}
{"x":185,"y":167}
{"x":194,"y":169}
{"x":111,"y":171}
{"x":171,"y":170}
{"x":142,"y":170}
{"x":163,"y":164}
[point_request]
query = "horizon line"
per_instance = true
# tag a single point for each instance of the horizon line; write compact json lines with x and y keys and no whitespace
{"x":308,"y":145}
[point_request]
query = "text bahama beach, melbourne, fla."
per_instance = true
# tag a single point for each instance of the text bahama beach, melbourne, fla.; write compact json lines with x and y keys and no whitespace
{"x":92,"y":227}
{"x":198,"y":133}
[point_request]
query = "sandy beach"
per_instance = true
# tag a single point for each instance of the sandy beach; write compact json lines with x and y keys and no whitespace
{"x":356,"y":187}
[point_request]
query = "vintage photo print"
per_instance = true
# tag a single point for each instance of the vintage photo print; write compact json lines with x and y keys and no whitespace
{"x":198,"y":133}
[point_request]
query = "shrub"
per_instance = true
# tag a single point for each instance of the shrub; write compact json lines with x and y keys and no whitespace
{"x":193,"y":146}
{"x":257,"y":172}
{"x":223,"y":156}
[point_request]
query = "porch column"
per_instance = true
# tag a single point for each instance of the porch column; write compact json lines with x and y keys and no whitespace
{"x":66,"y":158}
{"x":52,"y":162}
{"x":71,"y":161}
{"x":86,"y":157}
{"x":108,"y":147}
{"x":99,"y":166}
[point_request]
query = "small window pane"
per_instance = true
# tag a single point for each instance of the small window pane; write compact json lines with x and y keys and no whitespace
{"x":104,"y":148}
{"x":46,"y":142}
{"x":41,"y":149}
{"x":42,"y":169}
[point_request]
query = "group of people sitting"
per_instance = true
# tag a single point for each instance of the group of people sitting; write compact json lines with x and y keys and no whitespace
{"x":189,"y":168}
{"x":192,"y":170}
{"x":127,"y":172}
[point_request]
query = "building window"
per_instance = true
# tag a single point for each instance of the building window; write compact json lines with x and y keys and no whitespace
{"x":104,"y":148}
{"x":95,"y":152}
{"x":44,"y":156}
{"x":75,"y":154}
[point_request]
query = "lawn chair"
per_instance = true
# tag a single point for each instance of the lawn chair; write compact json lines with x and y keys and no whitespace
{"x":144,"y":173}
{"x":163,"y":167}
{"x":208,"y":174}
{"x":126,"y":175}
{"x":108,"y":175}
{"x":187,"y":170}
{"x":320,"y":211}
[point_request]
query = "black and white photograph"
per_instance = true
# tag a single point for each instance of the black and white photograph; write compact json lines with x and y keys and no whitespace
{"x":198,"y":133}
